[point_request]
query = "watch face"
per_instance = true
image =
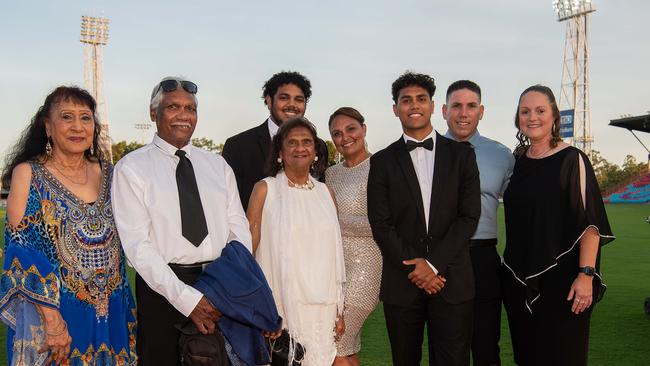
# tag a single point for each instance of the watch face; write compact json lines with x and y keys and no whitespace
{"x":590,"y":271}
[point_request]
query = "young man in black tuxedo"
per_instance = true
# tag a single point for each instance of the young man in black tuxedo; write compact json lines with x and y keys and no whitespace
{"x":286,"y":95}
{"x":423,"y":206}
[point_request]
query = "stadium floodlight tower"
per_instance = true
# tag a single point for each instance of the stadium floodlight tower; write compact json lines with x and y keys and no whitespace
{"x":142,"y":127}
{"x":94,"y":34}
{"x":574,"y":96}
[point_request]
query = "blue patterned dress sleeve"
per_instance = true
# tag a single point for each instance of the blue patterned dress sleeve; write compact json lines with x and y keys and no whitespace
{"x":66,"y":254}
{"x":28,"y":278}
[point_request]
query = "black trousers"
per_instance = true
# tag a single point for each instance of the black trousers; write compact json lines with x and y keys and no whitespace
{"x":487,"y":305}
{"x":449,"y":328}
{"x":157,"y":340}
{"x":552,"y":334}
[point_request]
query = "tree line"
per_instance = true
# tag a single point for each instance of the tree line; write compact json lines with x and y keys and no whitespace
{"x":121,"y":148}
{"x":609,"y":175}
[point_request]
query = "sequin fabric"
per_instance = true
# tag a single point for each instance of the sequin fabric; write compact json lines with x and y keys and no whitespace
{"x":86,"y":242}
{"x":363,"y":260}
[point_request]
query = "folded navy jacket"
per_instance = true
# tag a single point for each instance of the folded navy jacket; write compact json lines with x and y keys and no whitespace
{"x":235,"y":284}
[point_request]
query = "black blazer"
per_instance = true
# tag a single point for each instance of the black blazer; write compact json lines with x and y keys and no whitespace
{"x":396,"y":215}
{"x":247,"y":153}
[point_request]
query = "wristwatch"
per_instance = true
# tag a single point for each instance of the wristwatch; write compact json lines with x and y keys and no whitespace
{"x":589,"y":271}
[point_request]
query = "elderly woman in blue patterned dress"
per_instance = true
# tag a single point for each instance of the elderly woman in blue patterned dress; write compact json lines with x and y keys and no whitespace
{"x":64,"y":293}
{"x":348,"y":180}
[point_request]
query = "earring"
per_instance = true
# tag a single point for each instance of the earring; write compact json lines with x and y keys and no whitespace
{"x":315,"y":158}
{"x":48,"y":147}
{"x":279,"y":160}
{"x":92,"y":150}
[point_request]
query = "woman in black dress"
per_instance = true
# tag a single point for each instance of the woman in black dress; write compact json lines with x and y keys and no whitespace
{"x":555,"y":225}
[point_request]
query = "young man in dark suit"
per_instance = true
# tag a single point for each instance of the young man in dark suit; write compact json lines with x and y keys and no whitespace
{"x":285,"y":95}
{"x":423,"y":207}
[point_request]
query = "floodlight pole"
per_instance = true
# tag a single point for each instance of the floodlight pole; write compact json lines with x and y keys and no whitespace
{"x":94,"y":34}
{"x":574,"y":92}
{"x":143,"y":127}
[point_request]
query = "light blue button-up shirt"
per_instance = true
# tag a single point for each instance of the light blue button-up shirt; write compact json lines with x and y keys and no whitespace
{"x":495,"y":163}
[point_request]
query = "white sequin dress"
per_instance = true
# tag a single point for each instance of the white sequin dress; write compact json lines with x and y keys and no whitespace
{"x":363,"y":260}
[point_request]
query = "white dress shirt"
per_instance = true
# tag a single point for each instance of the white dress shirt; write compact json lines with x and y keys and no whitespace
{"x":148,"y":218}
{"x":273,"y":128}
{"x":423,"y":162}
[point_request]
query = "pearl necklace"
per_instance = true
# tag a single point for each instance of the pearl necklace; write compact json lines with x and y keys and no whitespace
{"x":307,"y":186}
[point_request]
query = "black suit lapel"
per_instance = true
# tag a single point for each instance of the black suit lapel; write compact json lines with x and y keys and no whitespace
{"x":264,"y":139}
{"x":406,"y":164}
{"x":440,"y":170}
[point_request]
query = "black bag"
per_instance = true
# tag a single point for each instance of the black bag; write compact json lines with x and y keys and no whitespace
{"x":198,"y":349}
{"x":279,"y":350}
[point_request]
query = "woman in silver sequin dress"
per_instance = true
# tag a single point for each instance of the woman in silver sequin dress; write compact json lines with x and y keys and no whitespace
{"x":363,"y":263}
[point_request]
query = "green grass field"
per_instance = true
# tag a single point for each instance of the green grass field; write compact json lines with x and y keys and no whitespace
{"x":620,"y":331}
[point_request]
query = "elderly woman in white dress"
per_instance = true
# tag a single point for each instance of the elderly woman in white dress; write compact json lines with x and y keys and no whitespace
{"x":297,"y":242}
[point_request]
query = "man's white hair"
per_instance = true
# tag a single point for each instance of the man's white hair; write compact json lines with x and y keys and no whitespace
{"x":157,"y":92}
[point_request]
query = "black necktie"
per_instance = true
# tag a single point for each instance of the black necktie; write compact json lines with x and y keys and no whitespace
{"x":427,"y":144}
{"x":192,"y":217}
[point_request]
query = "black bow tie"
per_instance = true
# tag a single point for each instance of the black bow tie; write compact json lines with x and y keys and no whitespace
{"x":427,"y":144}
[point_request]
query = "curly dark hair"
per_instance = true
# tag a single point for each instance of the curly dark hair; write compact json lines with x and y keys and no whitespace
{"x":272,"y":165}
{"x":523,"y":141}
{"x":410,"y":78}
{"x":31,"y":144}
{"x":286,"y":77}
{"x":464,"y":84}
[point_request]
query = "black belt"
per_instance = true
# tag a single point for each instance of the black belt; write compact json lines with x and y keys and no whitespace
{"x":188,"y":268}
{"x":482,"y":242}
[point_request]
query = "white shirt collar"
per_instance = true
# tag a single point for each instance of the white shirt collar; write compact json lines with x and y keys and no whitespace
{"x":472,"y":140}
{"x":169,"y":148}
{"x":432,"y":135}
{"x":273,"y":128}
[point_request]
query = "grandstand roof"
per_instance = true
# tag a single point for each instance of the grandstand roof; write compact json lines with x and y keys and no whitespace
{"x":638,"y":123}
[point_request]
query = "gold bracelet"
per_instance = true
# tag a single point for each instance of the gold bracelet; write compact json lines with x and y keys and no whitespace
{"x":65,"y":327}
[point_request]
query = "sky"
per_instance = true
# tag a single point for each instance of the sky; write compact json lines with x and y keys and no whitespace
{"x":350,"y":50}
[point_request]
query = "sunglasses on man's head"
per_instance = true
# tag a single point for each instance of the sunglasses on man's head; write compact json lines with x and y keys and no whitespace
{"x":171,"y":85}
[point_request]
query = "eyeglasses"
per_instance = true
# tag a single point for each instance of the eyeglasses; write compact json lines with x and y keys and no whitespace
{"x":171,"y":85}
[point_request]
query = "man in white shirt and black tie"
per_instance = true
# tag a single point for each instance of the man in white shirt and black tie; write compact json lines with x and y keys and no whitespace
{"x":175,"y":207}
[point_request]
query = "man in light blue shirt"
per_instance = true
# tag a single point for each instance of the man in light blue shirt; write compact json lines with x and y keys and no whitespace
{"x":463,"y":111}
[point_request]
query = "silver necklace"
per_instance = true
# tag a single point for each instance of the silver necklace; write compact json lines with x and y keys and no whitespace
{"x":530,"y":152}
{"x":307,"y":186}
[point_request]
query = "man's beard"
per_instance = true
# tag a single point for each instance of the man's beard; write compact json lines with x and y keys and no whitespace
{"x":279,"y":121}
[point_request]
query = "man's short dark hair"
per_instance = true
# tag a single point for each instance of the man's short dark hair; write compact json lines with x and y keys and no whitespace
{"x":413,"y":79}
{"x":464,"y":84}
{"x":286,"y":77}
